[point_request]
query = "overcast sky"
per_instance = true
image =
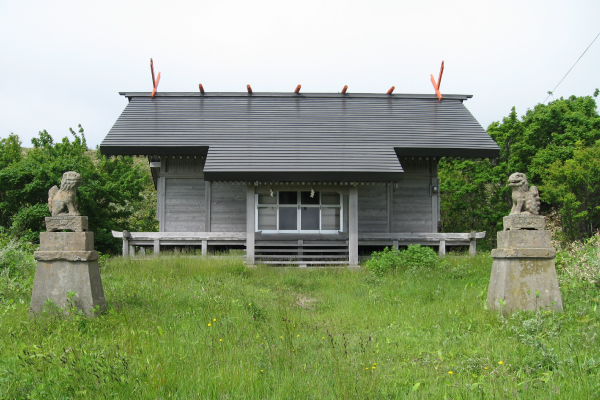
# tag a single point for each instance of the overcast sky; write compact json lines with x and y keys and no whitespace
{"x":62,"y":63}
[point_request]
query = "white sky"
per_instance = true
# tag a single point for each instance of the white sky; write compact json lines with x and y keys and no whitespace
{"x":62,"y":63}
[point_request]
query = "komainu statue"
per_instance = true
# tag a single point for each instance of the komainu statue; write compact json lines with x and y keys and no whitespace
{"x":62,"y":201}
{"x":526,"y":200}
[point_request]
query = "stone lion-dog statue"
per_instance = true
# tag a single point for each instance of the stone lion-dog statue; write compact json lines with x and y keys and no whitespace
{"x":525,"y":199}
{"x":62,"y":201}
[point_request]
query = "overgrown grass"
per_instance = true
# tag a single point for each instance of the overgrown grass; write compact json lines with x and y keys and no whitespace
{"x":193,"y":328}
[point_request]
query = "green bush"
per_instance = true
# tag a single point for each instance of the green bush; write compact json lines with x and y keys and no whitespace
{"x":17,"y":267}
{"x":414,"y":258}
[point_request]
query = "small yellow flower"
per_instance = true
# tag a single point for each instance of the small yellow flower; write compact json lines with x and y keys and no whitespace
{"x":297,"y":335}
{"x":209,"y":324}
{"x":214,"y":320}
{"x":280,"y":337}
{"x":323,"y":337}
{"x":500,"y":362}
{"x":17,"y":290}
{"x":485,"y":367}
{"x":450,"y":372}
{"x":262,"y":370}
{"x":374,"y":363}
{"x":220,"y":340}
{"x":249,"y":304}
{"x":374,"y":367}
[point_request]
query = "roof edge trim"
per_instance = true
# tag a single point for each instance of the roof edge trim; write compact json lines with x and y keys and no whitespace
{"x":298,"y":95}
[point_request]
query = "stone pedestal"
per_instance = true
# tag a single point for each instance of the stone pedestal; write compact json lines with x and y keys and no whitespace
{"x":67,"y":262}
{"x":523,"y":273}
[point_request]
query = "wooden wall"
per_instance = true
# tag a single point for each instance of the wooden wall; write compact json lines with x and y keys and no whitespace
{"x":185,"y":206}
{"x":186,"y":203}
{"x":228,"y":207}
{"x":404,"y":206}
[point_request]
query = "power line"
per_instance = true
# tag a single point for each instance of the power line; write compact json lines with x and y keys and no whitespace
{"x":550,"y":94}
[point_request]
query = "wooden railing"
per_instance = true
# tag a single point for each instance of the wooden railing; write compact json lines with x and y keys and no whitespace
{"x":205,"y":239}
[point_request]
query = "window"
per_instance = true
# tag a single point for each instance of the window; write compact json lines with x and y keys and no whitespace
{"x":304,"y":211}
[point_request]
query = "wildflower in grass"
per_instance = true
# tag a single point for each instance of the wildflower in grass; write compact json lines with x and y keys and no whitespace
{"x":450,"y":372}
{"x":367,"y":368}
{"x":262,"y":370}
{"x":374,"y":367}
{"x":220,"y":340}
{"x":323,"y":337}
{"x":297,"y":335}
{"x":374,"y":363}
{"x":500,"y":362}
{"x":214,"y":320}
{"x":485,"y":367}
{"x":280,"y":337}
{"x":209,"y":324}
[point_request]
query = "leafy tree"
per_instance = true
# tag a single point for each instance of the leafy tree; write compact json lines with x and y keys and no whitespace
{"x":110,"y":193}
{"x":10,"y":150}
{"x":573,"y":187}
{"x":474,"y":192}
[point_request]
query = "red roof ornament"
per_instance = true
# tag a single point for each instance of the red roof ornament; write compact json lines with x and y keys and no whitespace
{"x":154,"y":81}
{"x":436,"y":86}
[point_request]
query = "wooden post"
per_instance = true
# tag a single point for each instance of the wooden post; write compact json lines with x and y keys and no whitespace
{"x":250,"y":190}
{"x":207,"y":201}
{"x":353,"y":226}
{"x":204,"y":247}
{"x":442,"y":248}
{"x":156,"y":246}
{"x":160,"y":201}
{"x":473,"y":244}
{"x":390,"y":205}
{"x":126,"y":237}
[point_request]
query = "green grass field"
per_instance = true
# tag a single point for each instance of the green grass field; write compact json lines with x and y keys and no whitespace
{"x":193,"y":328}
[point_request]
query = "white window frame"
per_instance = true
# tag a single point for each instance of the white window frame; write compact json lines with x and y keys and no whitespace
{"x":299,"y":206}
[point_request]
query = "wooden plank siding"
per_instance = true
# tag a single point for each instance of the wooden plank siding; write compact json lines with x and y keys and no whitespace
{"x":372,"y":209}
{"x":404,"y":206}
{"x":184,"y":201}
{"x":228,"y":207}
{"x":414,"y":208}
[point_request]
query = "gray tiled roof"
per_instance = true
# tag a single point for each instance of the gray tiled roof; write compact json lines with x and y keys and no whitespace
{"x":286,"y":136}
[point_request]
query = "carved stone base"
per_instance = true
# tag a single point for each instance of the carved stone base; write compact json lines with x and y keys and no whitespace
{"x":67,"y":262}
{"x":524,"y":284}
{"x":67,"y":222}
{"x":55,"y":279}
{"x":524,"y":221}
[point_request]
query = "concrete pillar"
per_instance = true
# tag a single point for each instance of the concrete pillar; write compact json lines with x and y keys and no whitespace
{"x":156,"y":247}
{"x":131,"y":250}
{"x":142,"y":251}
{"x":250,"y":207}
{"x":353,"y":226}
{"x":204,"y":247}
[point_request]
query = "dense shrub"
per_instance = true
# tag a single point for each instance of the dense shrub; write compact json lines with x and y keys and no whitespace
{"x":414,"y":258}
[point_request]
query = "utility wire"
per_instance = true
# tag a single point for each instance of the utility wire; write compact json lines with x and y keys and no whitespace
{"x":552,"y":92}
